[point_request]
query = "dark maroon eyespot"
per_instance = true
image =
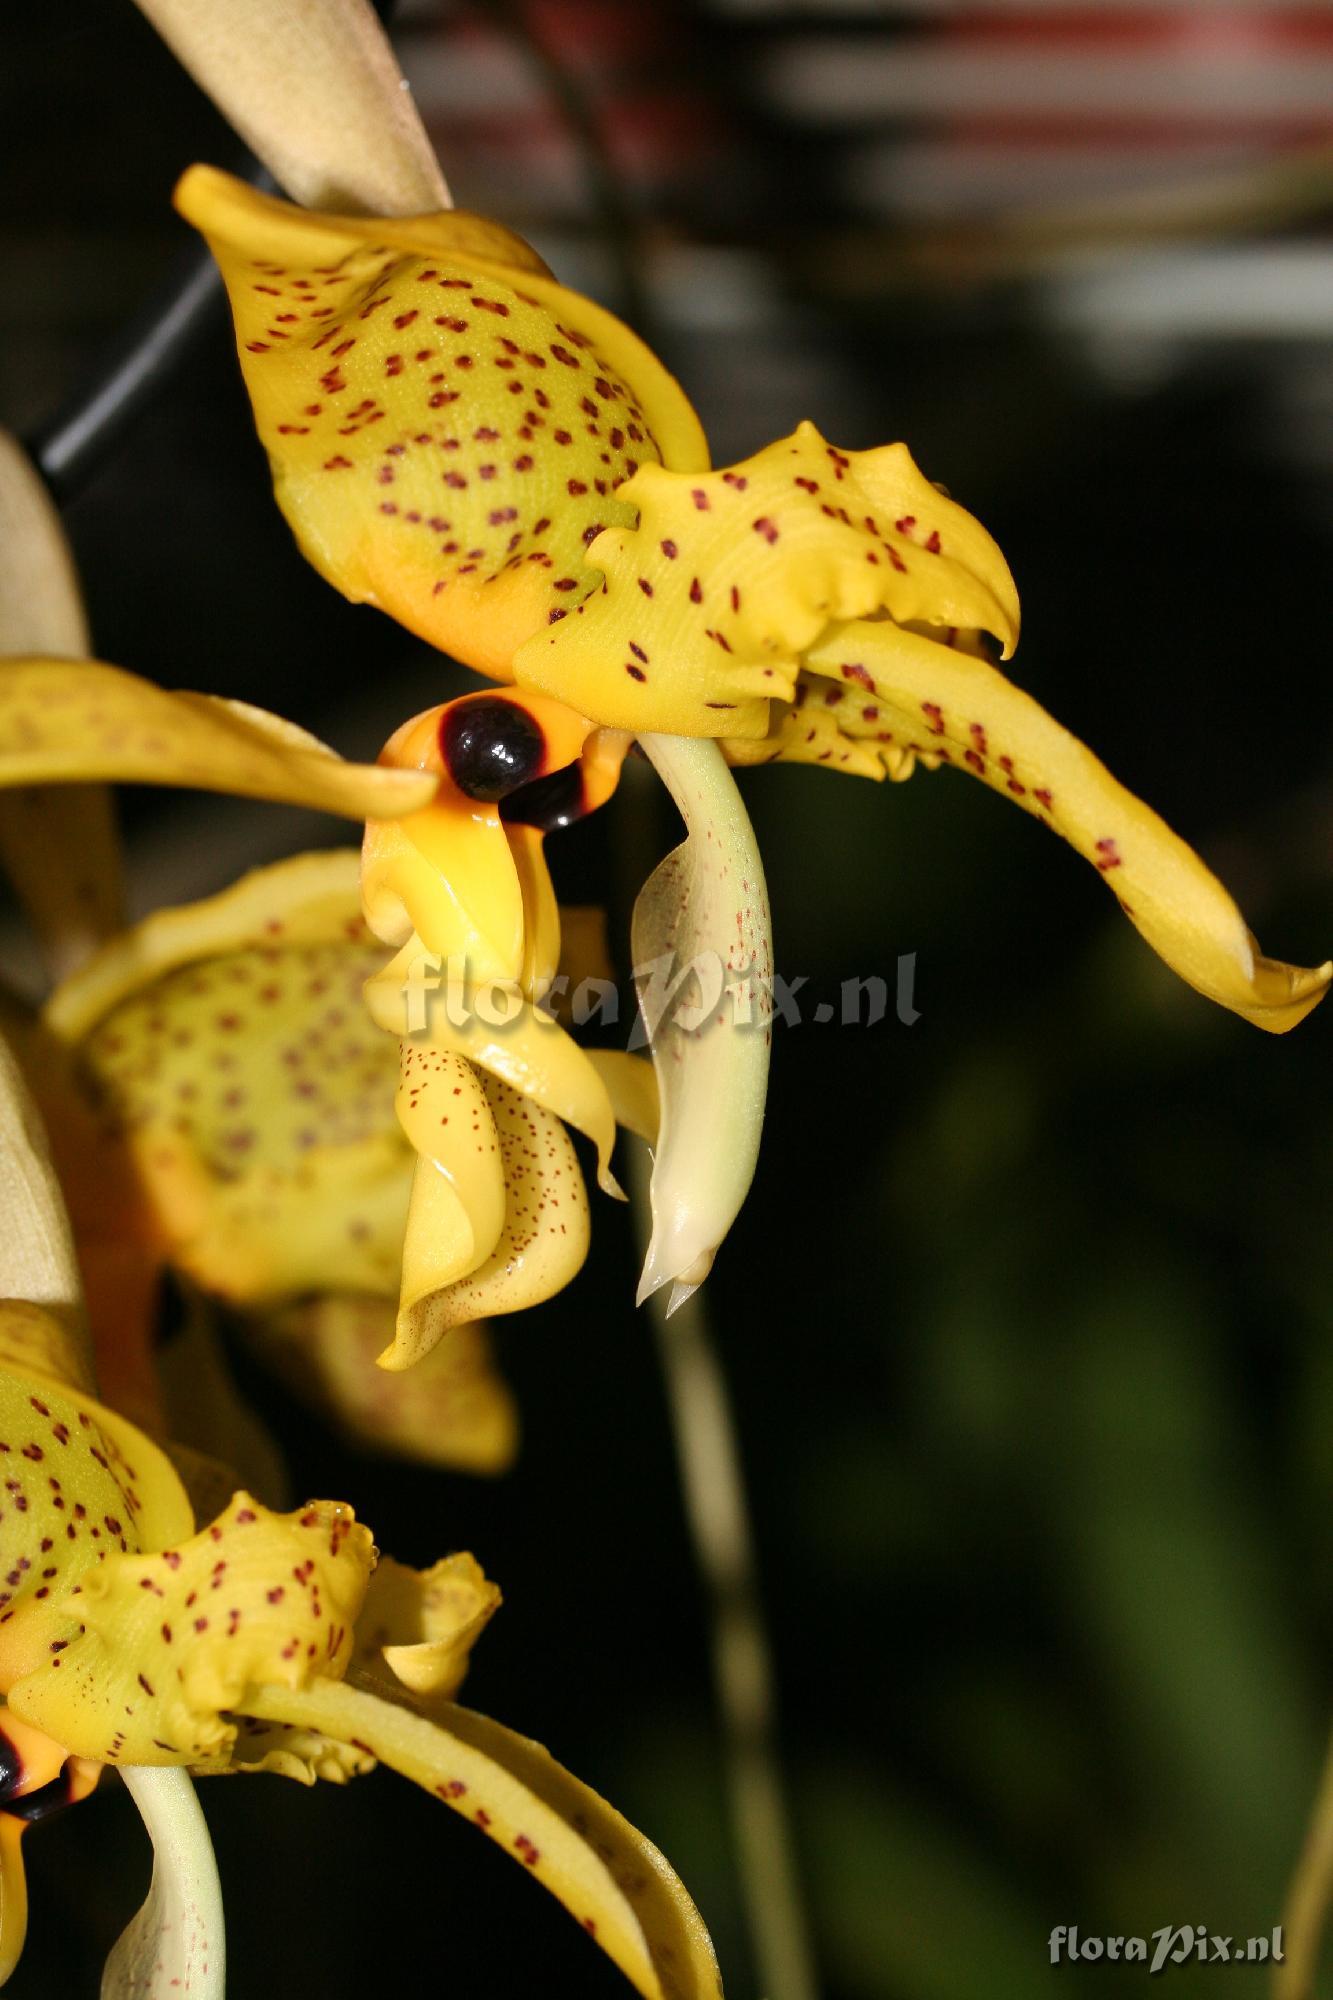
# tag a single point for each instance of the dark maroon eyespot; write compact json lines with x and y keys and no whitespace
{"x":47,"y":1799}
{"x":11,"y":1768}
{"x":550,"y":802}
{"x":490,"y":746}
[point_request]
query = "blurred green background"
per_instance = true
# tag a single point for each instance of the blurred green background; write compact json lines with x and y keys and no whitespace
{"x":1027,"y":1317}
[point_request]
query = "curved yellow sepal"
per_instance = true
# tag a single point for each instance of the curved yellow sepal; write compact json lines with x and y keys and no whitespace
{"x":142,"y":1661}
{"x":946,"y":706}
{"x":608,"y":1876}
{"x":542,"y":1241}
{"x":496,"y":1029}
{"x":63,"y":720}
{"x":307,"y":899}
{"x":445,"y":423}
{"x":711,"y":600}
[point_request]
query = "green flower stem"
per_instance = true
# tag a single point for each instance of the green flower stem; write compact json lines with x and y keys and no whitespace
{"x":716,"y":1508}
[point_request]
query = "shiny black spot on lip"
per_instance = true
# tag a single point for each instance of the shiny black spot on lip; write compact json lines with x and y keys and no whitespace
{"x":11,"y":1769}
{"x":490,"y":746}
{"x":40,"y":1804}
{"x":550,"y":802}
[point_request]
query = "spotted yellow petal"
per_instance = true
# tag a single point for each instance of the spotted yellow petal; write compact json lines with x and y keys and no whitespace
{"x":543,"y":1237}
{"x":703,"y":958}
{"x":62,"y":720}
{"x":142,"y":1660}
{"x":227,"y":1051}
{"x":61,"y":850}
{"x":496,"y":1029}
{"x":457,"y":1210}
{"x":711,"y":599}
{"x":81,"y":1487}
{"x":177,"y":1942}
{"x":956,"y":708}
{"x":307,"y":899}
{"x":446,"y":425}
{"x":453,"y":1409}
{"x":610,"y":1878}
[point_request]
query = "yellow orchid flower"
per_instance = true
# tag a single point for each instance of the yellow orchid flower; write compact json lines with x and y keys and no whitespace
{"x":222,"y":1106}
{"x":220,"y":1103}
{"x":507,"y":470}
{"x":259,"y":1642}
{"x":227,"y":1105}
{"x":489,"y":1078}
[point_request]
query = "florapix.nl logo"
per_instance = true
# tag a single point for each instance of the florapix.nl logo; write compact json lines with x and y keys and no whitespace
{"x":694,"y":995}
{"x":1169,"y":1945}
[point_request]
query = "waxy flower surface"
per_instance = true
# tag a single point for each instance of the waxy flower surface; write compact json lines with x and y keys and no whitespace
{"x":223,"y":1106}
{"x":260,"y":1641}
{"x":505,"y":468}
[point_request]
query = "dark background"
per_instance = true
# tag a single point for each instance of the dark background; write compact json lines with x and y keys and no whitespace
{"x":1027,"y":1316}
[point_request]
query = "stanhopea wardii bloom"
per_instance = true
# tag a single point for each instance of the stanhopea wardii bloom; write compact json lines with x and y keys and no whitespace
{"x":221,"y":1100}
{"x":222,"y":1106}
{"x":133,"y":1638}
{"x":510,"y":472}
{"x":489,"y":1078}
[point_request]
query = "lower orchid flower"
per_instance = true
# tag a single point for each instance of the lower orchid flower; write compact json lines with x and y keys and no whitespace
{"x":509,"y":471}
{"x":220,"y":1100}
{"x":223,"y":1107}
{"x":131,"y":1639}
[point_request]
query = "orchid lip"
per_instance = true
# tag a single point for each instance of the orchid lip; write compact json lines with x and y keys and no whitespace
{"x":556,"y":800}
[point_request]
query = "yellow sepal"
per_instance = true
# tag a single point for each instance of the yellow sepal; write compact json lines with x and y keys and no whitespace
{"x":947,"y":706}
{"x":610,"y":1878}
{"x":63,"y":720}
{"x":445,"y":423}
{"x":542,"y":1241}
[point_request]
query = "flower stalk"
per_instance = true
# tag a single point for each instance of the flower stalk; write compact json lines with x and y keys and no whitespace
{"x":717,"y":1511}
